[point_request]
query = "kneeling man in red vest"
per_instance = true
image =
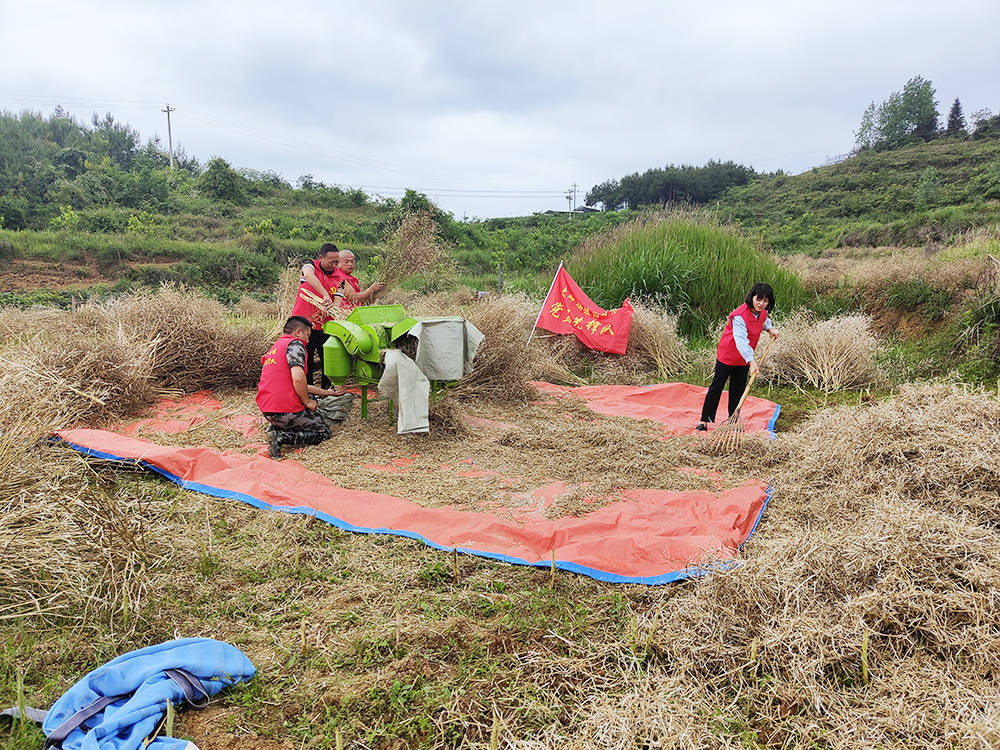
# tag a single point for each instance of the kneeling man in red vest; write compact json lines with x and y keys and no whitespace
{"x":284,"y":394}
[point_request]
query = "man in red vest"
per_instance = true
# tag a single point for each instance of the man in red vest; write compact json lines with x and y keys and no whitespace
{"x":321,"y":277}
{"x":353,"y":295}
{"x":284,"y":394}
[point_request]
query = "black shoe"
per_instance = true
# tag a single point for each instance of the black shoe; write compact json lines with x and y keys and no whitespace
{"x":701,"y":427}
{"x":274,"y":446}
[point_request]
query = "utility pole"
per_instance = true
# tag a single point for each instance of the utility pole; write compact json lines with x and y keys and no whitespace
{"x":569,"y":202}
{"x":170,"y":137}
{"x":574,"y":196}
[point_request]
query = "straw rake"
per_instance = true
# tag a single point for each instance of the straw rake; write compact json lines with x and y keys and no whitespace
{"x":728,"y":436}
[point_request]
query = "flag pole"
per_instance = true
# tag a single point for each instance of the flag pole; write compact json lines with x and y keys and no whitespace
{"x":556,"y":276}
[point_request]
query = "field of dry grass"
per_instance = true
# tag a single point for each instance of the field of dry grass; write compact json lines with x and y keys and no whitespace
{"x":864,"y":613}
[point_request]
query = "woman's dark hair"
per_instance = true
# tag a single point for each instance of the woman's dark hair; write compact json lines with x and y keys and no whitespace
{"x":762,"y":291}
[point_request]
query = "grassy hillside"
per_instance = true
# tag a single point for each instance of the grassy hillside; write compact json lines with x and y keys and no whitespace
{"x":928,"y":192}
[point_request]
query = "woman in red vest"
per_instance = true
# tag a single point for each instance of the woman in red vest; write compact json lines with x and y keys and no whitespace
{"x":734,"y":360}
{"x":284,"y":394}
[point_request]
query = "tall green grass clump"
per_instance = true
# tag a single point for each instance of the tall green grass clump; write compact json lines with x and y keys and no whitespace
{"x":691,"y":266}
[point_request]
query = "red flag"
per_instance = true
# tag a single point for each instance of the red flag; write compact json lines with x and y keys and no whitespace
{"x":568,"y":310}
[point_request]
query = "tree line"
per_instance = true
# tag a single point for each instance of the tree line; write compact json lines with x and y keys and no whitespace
{"x":670,"y":184}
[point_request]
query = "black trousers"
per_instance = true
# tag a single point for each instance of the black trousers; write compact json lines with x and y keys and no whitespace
{"x":314,"y":350}
{"x":737,"y":376}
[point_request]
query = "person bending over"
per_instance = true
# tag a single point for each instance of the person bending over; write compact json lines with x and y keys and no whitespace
{"x":284,"y":395}
{"x":321,"y":277}
{"x":735,"y":359}
{"x":354,"y":296}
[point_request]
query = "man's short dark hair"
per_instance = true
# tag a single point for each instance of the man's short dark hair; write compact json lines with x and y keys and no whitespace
{"x":764,"y":291}
{"x":296,"y":322}
{"x":327,"y":247}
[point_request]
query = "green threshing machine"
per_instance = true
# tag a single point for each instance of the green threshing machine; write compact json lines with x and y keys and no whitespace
{"x":355,"y":346}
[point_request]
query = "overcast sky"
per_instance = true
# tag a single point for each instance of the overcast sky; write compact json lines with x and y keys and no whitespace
{"x":494,"y":108}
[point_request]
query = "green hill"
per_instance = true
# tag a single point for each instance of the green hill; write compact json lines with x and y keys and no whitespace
{"x":924,"y":193}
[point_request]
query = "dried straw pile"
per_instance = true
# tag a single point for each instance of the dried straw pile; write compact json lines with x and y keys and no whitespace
{"x":866,"y":616}
{"x":655,"y":349}
{"x":69,"y":548}
{"x":195,"y":344}
{"x":867,"y":272}
{"x":826,"y":354}
{"x":60,"y":372}
{"x":505,"y":360}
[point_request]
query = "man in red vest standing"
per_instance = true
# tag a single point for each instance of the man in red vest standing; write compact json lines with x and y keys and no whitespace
{"x":353,"y":294}
{"x":321,"y":277}
{"x":284,"y":394}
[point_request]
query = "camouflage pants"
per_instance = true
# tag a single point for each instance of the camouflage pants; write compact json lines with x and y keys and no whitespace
{"x":304,"y":427}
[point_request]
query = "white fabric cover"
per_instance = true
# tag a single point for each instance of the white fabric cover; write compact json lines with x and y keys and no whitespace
{"x":404,"y":383}
{"x":446,"y":347}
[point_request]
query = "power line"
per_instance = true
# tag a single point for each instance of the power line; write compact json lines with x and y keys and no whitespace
{"x":81,"y":102}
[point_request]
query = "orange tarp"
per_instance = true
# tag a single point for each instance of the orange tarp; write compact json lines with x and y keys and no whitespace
{"x":650,"y":536}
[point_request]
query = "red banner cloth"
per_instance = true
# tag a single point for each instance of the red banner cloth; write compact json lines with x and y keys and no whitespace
{"x":568,"y":310}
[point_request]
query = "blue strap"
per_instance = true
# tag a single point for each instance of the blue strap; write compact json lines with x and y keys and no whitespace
{"x":190,"y":685}
{"x":30,"y":714}
{"x":60,"y":732}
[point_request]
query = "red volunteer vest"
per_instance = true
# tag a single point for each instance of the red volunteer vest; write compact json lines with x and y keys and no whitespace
{"x":309,"y":311}
{"x":728,"y":354}
{"x":275,"y":392}
{"x":355,"y":285}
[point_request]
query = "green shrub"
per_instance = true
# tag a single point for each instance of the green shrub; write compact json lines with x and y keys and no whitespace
{"x":699,"y":270}
{"x":226,"y":266}
{"x":916,"y":295}
{"x":221,"y":182}
{"x":928,"y":191}
{"x":104,"y":220}
{"x":980,"y":340}
{"x":68,"y":219}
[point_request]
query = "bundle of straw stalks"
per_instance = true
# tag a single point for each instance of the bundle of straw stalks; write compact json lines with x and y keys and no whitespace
{"x":825,"y":354}
{"x":414,"y":248}
{"x":287,"y":289}
{"x":333,"y":311}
